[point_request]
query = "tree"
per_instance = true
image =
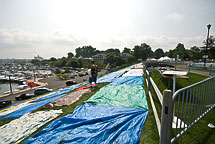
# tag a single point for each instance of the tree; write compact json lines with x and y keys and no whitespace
{"x":61,"y":62}
{"x":211,"y":47}
{"x":111,"y":50}
{"x":36,"y":62}
{"x":114,"y":60}
{"x":159,"y":53}
{"x":180,"y":47}
{"x":142,"y":52}
{"x":53,"y":59}
{"x":85,"y":51}
{"x":179,"y":50}
{"x":194,"y":53}
{"x":70,"y":55}
{"x":126,"y":50}
{"x":130,"y":59}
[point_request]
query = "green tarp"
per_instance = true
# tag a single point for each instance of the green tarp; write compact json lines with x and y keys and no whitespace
{"x":120,"y":95}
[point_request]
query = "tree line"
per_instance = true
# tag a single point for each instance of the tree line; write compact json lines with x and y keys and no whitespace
{"x":138,"y":52}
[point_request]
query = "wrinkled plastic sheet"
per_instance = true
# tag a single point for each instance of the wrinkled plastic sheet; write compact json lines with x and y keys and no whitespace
{"x":129,"y":80}
{"x":94,"y":124}
{"x":68,"y":99}
{"x":14,"y":108}
{"x":60,"y":91}
{"x":30,"y":108}
{"x":134,"y":72}
{"x":120,"y":95}
{"x":19,"y":129}
{"x":110,"y":77}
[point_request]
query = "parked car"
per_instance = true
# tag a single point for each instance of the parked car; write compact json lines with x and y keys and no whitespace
{"x":39,"y":91}
{"x":5,"y":103}
{"x":72,"y":76}
{"x":24,"y":96}
{"x":69,"y":83}
{"x":80,"y":74}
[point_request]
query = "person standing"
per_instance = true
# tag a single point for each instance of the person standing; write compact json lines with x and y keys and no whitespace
{"x":93,"y":73}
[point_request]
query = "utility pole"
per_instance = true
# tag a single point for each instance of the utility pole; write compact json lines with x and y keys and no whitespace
{"x":11,"y":91}
{"x":206,"y":48}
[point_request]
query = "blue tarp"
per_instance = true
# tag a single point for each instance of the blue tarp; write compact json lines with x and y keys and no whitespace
{"x":128,"y":80}
{"x":110,"y":77}
{"x":61,"y":91}
{"x":30,"y":108}
{"x":94,"y":124}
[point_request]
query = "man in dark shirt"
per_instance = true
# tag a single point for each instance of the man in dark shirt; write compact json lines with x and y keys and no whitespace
{"x":94,"y":73}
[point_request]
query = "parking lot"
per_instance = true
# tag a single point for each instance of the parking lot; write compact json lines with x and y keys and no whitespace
{"x":53,"y":83}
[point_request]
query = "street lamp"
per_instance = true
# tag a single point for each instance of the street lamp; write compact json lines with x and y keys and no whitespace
{"x":206,"y":48}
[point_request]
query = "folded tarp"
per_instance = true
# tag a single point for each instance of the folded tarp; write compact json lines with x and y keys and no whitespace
{"x":19,"y":129}
{"x":85,"y":87}
{"x":134,"y":72}
{"x":94,"y":124}
{"x":68,"y":99}
{"x":30,"y":108}
{"x":120,"y":95}
{"x":129,"y":80}
{"x":110,"y":77}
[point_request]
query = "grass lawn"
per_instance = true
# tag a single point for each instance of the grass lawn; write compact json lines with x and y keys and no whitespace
{"x":200,"y":133}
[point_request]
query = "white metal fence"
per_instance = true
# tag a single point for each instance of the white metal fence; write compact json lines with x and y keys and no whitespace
{"x":183,"y":109}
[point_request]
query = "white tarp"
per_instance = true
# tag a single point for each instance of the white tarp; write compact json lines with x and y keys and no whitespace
{"x":13,"y":108}
{"x":20,"y":128}
{"x":168,"y":72}
{"x":134,"y":72}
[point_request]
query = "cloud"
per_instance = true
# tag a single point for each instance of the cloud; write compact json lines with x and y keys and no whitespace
{"x":17,"y":43}
{"x":175,"y":16}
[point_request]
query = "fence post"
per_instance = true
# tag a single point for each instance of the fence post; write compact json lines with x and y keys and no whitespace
{"x":166,"y":118}
{"x":149,"y":83}
{"x":189,"y":68}
{"x":210,"y":70}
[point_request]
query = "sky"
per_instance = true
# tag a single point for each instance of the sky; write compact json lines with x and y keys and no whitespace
{"x":52,"y":28}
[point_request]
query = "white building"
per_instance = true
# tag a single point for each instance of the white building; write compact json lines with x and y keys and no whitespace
{"x":38,"y":58}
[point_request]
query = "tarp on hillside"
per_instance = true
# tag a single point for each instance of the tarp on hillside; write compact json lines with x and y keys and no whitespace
{"x":14,"y":108}
{"x":120,"y":95}
{"x":134,"y":72}
{"x":94,"y":124}
{"x":130,"y":80}
{"x":110,"y":77}
{"x":59,"y":92}
{"x":68,"y":99}
{"x":19,"y":129}
{"x":30,"y":108}
{"x":85,"y":87}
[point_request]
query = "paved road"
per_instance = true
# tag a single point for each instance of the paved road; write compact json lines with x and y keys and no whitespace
{"x":184,"y":68}
{"x":53,"y":83}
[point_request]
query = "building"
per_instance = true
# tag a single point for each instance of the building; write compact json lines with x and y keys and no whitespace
{"x":38,"y":58}
{"x":99,"y":57}
{"x":125,"y":55}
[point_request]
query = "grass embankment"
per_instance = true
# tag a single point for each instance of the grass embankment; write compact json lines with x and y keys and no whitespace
{"x":200,"y":133}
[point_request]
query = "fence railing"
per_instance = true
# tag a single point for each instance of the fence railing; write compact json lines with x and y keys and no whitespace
{"x":183,"y":109}
{"x":192,"y":103}
{"x":151,"y":84}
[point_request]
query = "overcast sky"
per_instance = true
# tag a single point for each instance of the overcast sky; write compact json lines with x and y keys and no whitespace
{"x":52,"y":28}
